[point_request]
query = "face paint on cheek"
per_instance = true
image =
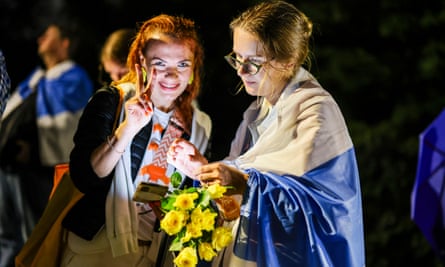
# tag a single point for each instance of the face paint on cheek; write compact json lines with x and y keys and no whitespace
{"x":154,"y":73}
{"x":191,"y":79}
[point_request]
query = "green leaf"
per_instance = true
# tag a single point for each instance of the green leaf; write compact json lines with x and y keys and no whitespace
{"x":204,"y":199}
{"x":176,"y":179}
{"x":167,"y":203}
{"x":190,"y":190}
{"x":176,"y":244}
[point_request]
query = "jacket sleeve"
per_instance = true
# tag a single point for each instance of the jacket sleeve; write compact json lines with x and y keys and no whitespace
{"x":95,"y":125}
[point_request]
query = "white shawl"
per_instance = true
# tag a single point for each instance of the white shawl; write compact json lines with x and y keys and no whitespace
{"x":308,"y":130}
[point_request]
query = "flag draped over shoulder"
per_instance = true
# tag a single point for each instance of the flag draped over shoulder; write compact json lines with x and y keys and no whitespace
{"x":307,"y":223}
{"x":62,"y":93}
{"x":303,"y":204}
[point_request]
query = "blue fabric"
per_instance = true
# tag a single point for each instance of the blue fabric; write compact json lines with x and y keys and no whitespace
{"x":24,"y":87}
{"x":316,"y":219}
{"x":67,"y":93}
{"x":427,"y":200}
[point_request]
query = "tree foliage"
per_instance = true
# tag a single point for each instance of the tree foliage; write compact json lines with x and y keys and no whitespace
{"x":383,"y":62}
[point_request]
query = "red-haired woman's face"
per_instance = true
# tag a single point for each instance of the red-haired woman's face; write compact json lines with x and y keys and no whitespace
{"x":171,"y":64}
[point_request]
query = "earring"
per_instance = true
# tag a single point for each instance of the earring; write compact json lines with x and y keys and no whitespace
{"x":191,"y":79}
{"x":144,"y":75}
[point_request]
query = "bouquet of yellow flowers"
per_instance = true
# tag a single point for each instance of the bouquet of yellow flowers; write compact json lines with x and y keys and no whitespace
{"x":190,"y":216}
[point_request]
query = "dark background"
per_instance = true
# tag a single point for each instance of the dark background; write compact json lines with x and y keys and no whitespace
{"x":382,"y":60}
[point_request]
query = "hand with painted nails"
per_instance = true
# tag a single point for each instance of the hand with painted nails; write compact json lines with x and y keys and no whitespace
{"x":143,"y":87}
{"x":185,"y":156}
{"x":139,"y":108}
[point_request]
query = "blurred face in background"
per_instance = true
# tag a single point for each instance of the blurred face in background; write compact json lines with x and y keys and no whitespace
{"x":52,"y":44}
{"x":114,"y":69}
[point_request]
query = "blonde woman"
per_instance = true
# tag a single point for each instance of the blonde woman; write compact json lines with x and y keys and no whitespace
{"x":113,"y":55}
{"x":292,"y":162}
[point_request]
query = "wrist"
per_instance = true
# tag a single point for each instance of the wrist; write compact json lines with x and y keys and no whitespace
{"x":124,"y":133}
{"x":112,"y":142}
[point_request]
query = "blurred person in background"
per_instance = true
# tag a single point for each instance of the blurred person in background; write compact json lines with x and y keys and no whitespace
{"x":113,"y":55}
{"x":37,"y":133}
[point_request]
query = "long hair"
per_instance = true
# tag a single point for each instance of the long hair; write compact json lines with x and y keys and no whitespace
{"x":282,"y":29}
{"x":183,"y":30}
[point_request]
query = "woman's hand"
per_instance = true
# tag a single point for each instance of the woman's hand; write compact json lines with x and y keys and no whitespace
{"x":138,"y":112}
{"x":185,"y":156}
{"x":223,"y":174}
{"x":139,"y":108}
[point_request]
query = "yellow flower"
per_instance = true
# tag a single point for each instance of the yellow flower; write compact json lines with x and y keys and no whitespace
{"x":196,"y":216}
{"x":173,"y":222}
{"x":192,"y":231}
{"x":190,"y":216}
{"x":221,"y":238}
{"x":186,"y":258}
{"x":186,"y":201}
{"x":208,"y":220}
{"x":216,"y":190}
{"x":206,"y":251}
{"x":204,"y":220}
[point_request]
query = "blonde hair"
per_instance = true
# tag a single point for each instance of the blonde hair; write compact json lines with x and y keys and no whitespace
{"x":282,"y":29}
{"x":117,"y":46}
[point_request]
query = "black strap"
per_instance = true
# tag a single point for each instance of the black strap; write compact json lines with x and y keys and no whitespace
{"x":138,"y":147}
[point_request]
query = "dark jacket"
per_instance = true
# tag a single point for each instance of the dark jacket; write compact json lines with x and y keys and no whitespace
{"x":87,"y":217}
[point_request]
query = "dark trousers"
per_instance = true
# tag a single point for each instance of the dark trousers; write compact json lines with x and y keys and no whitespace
{"x":23,"y":197}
